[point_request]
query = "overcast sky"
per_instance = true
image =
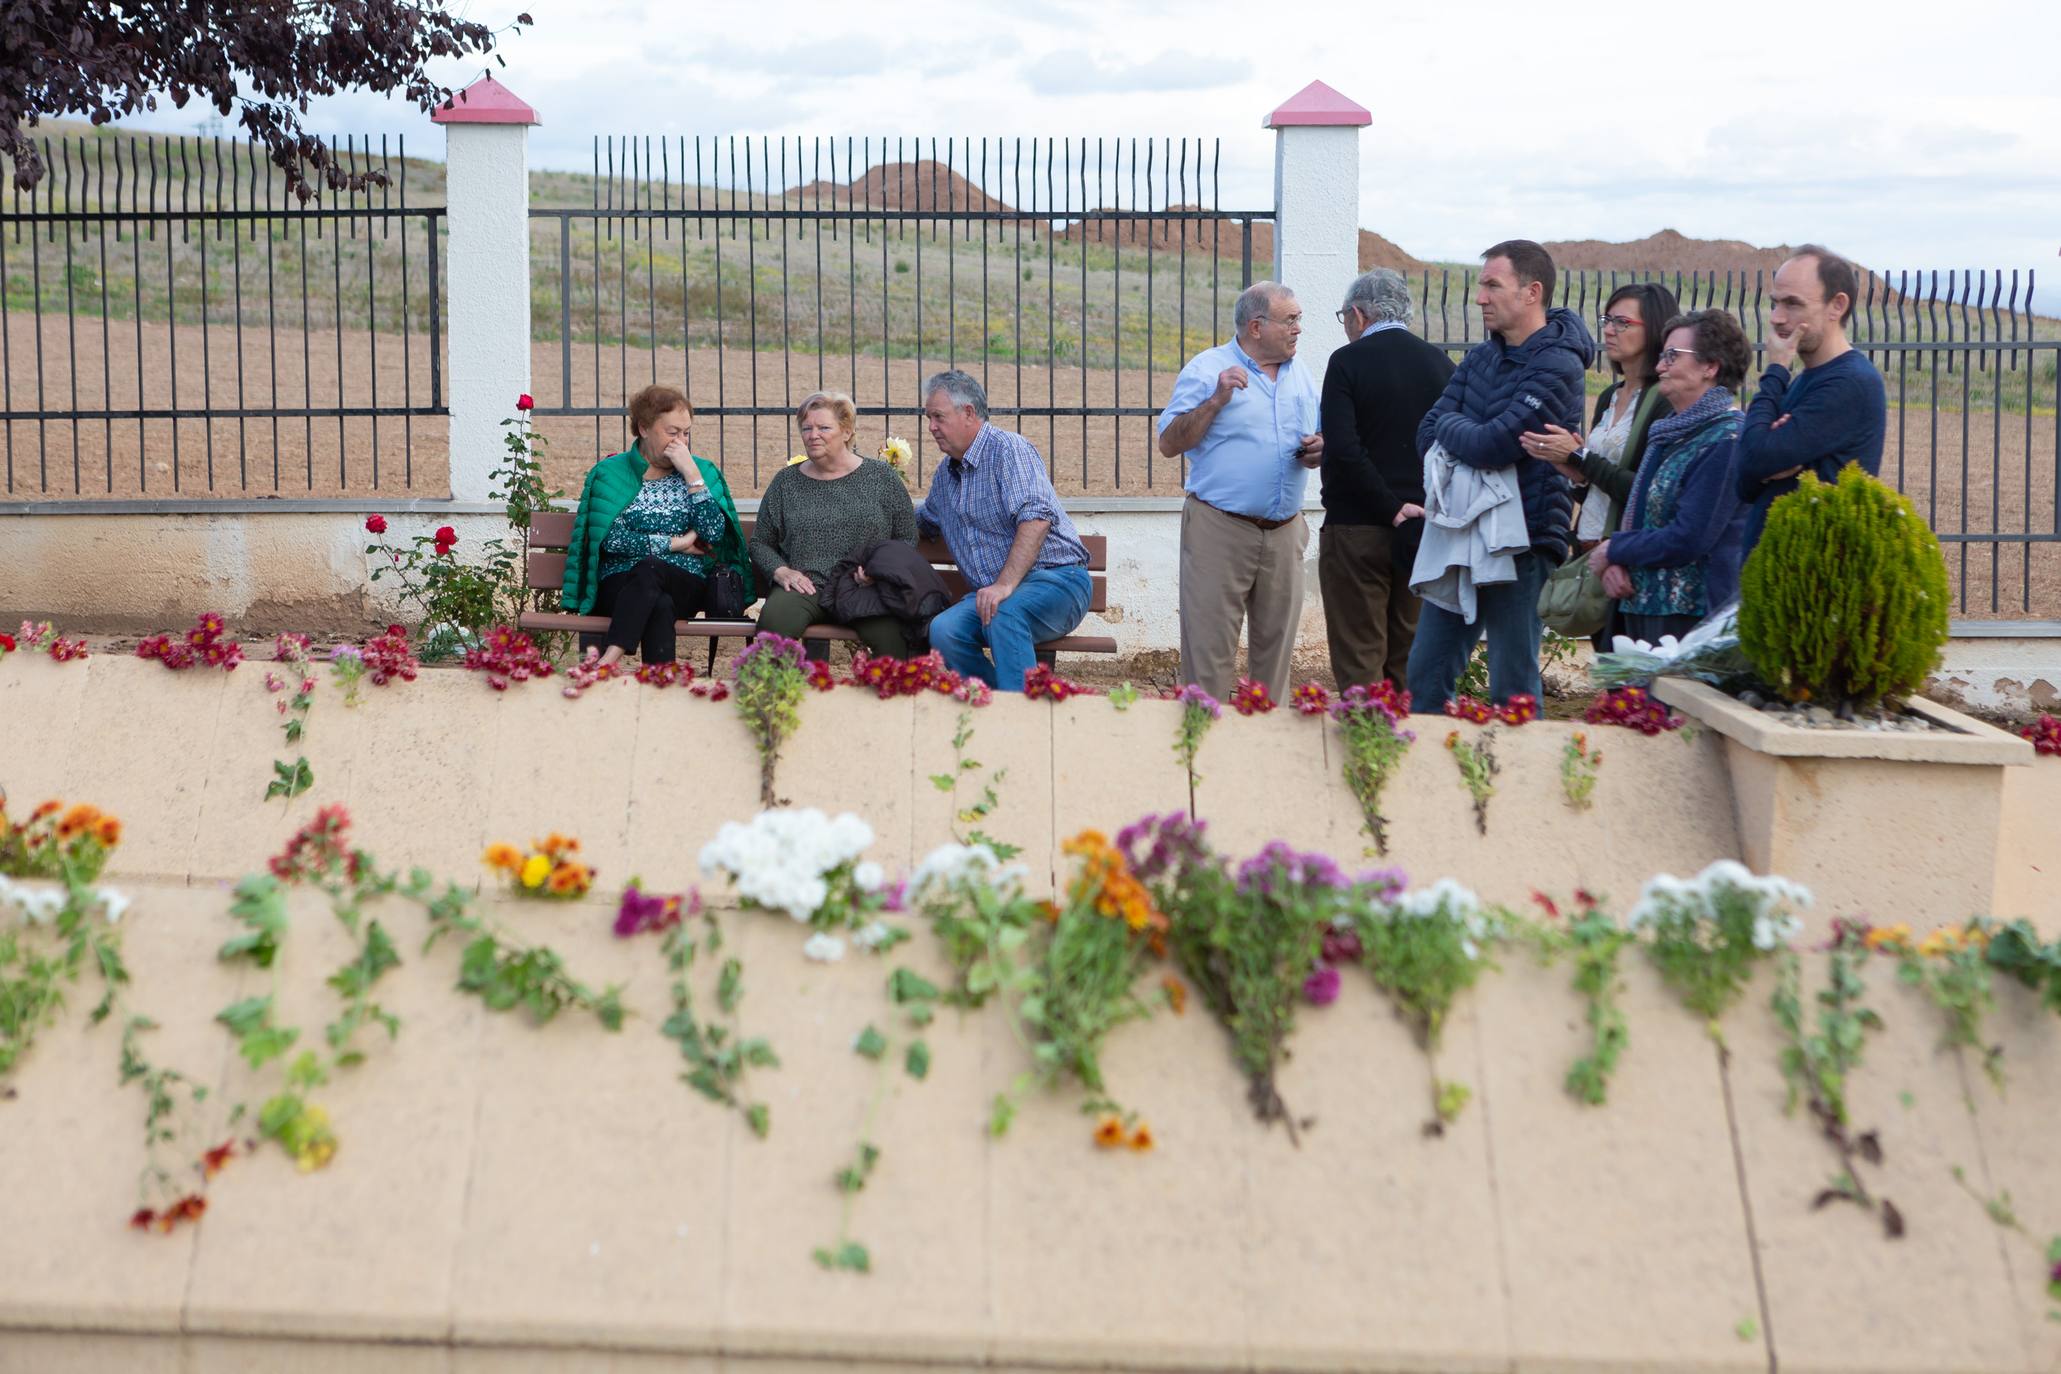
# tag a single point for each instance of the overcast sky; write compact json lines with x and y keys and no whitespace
{"x":1910,"y":135}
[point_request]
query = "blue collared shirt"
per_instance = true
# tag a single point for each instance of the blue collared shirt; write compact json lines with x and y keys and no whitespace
{"x":976,"y":502}
{"x":1246,"y":463}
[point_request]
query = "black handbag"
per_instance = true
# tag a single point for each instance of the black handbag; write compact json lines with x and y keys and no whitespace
{"x":726,"y":599}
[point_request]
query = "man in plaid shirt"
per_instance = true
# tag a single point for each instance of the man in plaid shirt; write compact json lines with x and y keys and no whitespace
{"x":996,"y":509}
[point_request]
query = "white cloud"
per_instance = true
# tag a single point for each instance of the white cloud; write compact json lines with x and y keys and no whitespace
{"x":1073,"y":71}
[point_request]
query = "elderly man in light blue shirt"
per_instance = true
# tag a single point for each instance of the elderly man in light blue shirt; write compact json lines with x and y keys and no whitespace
{"x":1245,"y":414}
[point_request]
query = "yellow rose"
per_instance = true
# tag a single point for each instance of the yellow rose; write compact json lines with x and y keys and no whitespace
{"x":535,"y":869}
{"x":798,"y":458}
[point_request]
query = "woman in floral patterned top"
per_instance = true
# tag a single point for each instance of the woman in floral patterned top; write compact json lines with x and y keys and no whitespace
{"x":651,"y":523}
{"x":1676,"y":557}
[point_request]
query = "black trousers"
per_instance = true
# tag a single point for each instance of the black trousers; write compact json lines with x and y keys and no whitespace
{"x":642,"y":604}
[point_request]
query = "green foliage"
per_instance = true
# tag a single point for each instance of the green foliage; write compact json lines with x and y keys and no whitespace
{"x":1820,"y":1056}
{"x":2016,"y":949}
{"x":1845,"y":598}
{"x":1957,"y":979}
{"x":1578,"y":765}
{"x":1710,"y":930}
{"x":1424,"y":950}
{"x":717,"y":1053}
{"x":769,"y":687}
{"x":1596,"y":941}
{"x":289,"y":780}
{"x":1123,"y":695}
{"x":1478,"y":769}
{"x":870,"y":1044}
{"x":459,"y":601}
{"x":1375,"y":742}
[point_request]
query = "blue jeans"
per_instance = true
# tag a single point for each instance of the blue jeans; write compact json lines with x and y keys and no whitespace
{"x":1509,"y":613}
{"x":1045,"y":605}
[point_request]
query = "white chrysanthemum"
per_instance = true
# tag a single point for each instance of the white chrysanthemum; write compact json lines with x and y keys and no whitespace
{"x":1443,"y":898}
{"x":872,"y":935}
{"x":39,"y":903}
{"x":869,"y":876}
{"x":779,"y":858}
{"x":823,"y":948}
{"x":113,"y":905}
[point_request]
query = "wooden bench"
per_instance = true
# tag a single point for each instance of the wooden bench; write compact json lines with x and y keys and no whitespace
{"x":550,"y":534}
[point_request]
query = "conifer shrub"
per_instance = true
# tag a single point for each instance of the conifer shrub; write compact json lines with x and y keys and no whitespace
{"x":1845,"y":597}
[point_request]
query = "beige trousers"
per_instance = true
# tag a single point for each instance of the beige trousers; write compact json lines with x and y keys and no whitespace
{"x":1235,"y":574}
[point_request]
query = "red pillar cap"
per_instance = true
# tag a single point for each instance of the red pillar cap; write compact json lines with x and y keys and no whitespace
{"x":1317,"y":104}
{"x":486,"y":101}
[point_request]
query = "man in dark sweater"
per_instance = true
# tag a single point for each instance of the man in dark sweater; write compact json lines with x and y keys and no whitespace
{"x":1525,"y":376}
{"x":1830,"y":412}
{"x":1376,"y":389}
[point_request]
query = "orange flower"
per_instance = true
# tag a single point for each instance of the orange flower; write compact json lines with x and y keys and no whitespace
{"x":77,"y":821}
{"x":1452,"y":739}
{"x":108,"y":832}
{"x":49,"y":808}
{"x":502,"y":856}
{"x":217,"y":1159}
{"x":568,"y":880}
{"x":1049,"y":910}
{"x":1890,"y":938}
{"x":1176,"y":993}
{"x":1110,"y":1133}
{"x":1141,"y":1139}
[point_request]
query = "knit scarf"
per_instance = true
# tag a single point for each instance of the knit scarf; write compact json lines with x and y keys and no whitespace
{"x":1708,"y":407}
{"x":1663,"y":434}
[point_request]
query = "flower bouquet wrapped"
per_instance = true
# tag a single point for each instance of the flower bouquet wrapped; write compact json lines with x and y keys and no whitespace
{"x":1709,"y":653}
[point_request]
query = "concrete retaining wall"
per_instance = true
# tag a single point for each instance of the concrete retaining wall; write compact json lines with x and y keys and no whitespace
{"x":509,"y":1197}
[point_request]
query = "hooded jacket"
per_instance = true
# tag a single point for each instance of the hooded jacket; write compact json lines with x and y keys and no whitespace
{"x":1498,"y":393}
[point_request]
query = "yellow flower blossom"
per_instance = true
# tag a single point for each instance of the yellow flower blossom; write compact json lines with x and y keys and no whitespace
{"x":535,"y":870}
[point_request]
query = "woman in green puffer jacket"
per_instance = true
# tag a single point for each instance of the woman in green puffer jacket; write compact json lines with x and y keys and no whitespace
{"x":653,"y":522}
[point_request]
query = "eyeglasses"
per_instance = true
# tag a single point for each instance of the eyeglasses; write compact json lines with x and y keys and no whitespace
{"x":1669,"y":356}
{"x":1292,"y":322}
{"x":1340,"y":315}
{"x":1618,"y":322}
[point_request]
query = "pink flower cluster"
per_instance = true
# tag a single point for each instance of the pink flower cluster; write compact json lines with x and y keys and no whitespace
{"x":507,"y":655}
{"x":2045,"y":734}
{"x":1517,"y":710}
{"x":1251,"y":698}
{"x":1042,"y":682}
{"x":640,"y":911}
{"x":895,"y":677}
{"x":820,"y":676}
{"x":1311,"y":699}
{"x":202,"y":644}
{"x":1383,"y":698}
{"x":1633,"y":708}
{"x":39,"y":634}
{"x":387,"y":656}
{"x":663,"y":675}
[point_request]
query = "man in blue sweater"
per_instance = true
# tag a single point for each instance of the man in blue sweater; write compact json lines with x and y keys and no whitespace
{"x":1526,"y":375}
{"x":1830,"y":412}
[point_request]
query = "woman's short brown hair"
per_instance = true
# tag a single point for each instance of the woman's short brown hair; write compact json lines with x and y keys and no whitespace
{"x":653,"y":401}
{"x":838,"y":404}
{"x":1720,"y":340}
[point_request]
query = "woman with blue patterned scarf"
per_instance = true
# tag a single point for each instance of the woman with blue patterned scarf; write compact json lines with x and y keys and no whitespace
{"x":1676,"y":556}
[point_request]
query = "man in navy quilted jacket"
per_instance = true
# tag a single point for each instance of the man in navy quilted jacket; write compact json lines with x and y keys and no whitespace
{"x":1525,"y":375}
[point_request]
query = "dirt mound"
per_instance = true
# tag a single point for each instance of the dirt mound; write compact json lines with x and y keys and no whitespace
{"x":1226,"y":238}
{"x":925,"y":185}
{"x":1667,"y":249}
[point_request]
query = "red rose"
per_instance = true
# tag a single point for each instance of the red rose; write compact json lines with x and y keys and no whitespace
{"x":446,"y":537}
{"x":525,"y":401}
{"x":375,"y":524}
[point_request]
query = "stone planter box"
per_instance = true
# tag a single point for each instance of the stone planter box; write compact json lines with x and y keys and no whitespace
{"x":1894,"y":826}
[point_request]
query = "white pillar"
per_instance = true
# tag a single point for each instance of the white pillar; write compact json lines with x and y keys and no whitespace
{"x":486,"y":188}
{"x":1317,"y":209}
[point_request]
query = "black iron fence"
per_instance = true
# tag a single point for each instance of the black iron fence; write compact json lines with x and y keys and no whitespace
{"x":1072,"y":276}
{"x":173,"y":323}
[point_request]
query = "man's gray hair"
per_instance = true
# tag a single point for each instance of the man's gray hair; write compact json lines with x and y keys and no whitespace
{"x":1255,"y":301}
{"x":1381,"y":295}
{"x":961,"y":387}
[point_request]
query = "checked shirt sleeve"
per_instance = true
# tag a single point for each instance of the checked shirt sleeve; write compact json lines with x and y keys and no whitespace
{"x":1026,"y":492}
